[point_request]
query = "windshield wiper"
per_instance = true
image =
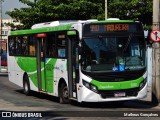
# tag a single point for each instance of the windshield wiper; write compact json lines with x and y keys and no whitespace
{"x":128,"y":41}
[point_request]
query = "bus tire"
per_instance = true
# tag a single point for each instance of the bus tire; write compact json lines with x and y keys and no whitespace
{"x":26,"y":86}
{"x":64,"y":94}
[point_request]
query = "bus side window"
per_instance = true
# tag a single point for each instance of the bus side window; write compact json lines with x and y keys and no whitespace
{"x":51,"y":46}
{"x":61,"y":45}
{"x":31,"y":43}
{"x":18,"y":45}
{"x":62,"y":53}
{"x":25,"y":46}
{"x":11,"y":46}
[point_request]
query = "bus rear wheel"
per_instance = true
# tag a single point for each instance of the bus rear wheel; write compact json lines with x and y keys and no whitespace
{"x":26,"y":86}
{"x":64,"y":94}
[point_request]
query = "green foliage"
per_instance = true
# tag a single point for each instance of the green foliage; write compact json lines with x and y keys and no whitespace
{"x":51,"y":10}
{"x":131,"y":9}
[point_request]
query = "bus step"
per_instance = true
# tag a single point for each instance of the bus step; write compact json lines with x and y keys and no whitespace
{"x":73,"y":99}
{"x":43,"y":92}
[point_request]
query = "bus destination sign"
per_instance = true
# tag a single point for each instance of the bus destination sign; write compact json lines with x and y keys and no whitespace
{"x":109,"y":27}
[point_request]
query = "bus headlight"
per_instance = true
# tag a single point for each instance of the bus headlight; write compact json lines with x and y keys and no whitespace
{"x":93,"y":88}
{"x":90,"y":86}
{"x":143,"y":83}
{"x":86,"y":84}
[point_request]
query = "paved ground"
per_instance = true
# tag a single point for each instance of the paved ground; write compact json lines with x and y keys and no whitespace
{"x":13,"y":99}
{"x":3,"y":70}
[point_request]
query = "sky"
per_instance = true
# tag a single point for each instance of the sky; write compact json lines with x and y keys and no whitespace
{"x":9,"y":5}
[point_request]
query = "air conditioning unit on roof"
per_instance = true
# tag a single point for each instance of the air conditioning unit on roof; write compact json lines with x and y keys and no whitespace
{"x":46,"y":24}
{"x":113,"y":19}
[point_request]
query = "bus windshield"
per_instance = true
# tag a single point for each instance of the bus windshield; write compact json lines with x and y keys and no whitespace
{"x":113,"y":53}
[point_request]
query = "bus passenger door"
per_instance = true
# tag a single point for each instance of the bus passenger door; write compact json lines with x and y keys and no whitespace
{"x":41,"y":62}
{"x":73,"y":65}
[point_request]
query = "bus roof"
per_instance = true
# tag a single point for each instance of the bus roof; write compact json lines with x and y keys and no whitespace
{"x":41,"y":30}
{"x":114,"y":21}
{"x":63,"y":27}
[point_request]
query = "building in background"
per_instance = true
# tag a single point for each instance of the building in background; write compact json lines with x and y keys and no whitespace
{"x":5,"y":28}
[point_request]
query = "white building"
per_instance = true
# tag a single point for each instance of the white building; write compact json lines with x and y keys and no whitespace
{"x":4,"y":29}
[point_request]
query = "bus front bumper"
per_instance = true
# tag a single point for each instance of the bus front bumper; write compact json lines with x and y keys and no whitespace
{"x":86,"y":95}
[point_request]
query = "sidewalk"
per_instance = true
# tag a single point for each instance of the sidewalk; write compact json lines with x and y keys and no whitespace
{"x":149,"y":96}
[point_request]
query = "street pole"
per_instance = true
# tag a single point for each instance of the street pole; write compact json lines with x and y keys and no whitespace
{"x":1,"y":31}
{"x":106,"y":9}
{"x":156,"y":55}
{"x":1,"y":18}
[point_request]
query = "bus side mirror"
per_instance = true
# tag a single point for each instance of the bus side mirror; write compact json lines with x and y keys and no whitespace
{"x":147,"y":36}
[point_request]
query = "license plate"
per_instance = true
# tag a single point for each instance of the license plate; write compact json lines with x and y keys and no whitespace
{"x":119,"y":94}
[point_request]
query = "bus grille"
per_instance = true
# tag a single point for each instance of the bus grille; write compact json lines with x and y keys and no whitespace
{"x":111,"y":93}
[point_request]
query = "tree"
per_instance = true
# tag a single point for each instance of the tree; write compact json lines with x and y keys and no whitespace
{"x":131,"y":9}
{"x":51,"y":10}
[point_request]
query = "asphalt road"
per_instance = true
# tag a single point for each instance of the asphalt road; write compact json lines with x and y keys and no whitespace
{"x":13,"y":100}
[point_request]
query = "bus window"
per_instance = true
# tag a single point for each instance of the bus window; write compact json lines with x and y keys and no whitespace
{"x":24,"y":46}
{"x":11,"y":46}
{"x":61,"y":45}
{"x":51,"y":46}
{"x":31,"y":43}
{"x":61,"y":53}
{"x":18,"y":45}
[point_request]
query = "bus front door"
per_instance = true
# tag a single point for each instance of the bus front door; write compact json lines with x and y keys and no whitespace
{"x":43,"y":78}
{"x":73,"y":65}
{"x":41,"y":65}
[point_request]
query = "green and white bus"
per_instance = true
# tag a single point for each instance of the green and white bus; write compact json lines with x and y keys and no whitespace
{"x":86,"y":61}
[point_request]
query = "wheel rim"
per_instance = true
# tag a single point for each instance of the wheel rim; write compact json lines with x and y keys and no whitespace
{"x":65,"y":93}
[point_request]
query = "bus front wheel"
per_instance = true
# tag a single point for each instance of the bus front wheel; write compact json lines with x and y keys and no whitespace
{"x":64,"y":95}
{"x":26,"y":86}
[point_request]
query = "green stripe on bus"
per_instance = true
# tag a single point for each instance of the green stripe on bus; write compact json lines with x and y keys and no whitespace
{"x":71,"y":32}
{"x":50,"y":75}
{"x":42,"y":30}
{"x":114,"y":21}
{"x":29,"y":65}
{"x":117,"y":85}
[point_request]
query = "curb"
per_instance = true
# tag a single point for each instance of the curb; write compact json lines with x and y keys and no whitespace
{"x":3,"y":74}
